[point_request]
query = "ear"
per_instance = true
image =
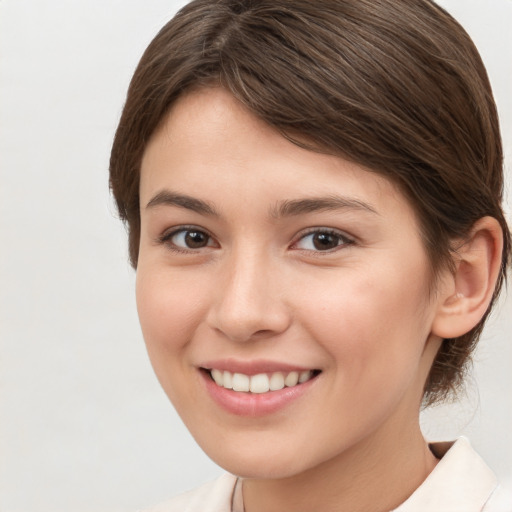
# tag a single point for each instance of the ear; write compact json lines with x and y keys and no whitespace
{"x":465,"y":295}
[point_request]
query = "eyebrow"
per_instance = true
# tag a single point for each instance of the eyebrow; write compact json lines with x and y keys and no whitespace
{"x":286,"y":208}
{"x":317,"y":204}
{"x":168,"y":198}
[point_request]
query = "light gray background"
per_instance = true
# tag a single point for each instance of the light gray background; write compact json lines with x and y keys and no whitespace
{"x":84,"y":425}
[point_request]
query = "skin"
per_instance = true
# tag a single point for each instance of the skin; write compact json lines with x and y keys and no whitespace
{"x":360,"y":312}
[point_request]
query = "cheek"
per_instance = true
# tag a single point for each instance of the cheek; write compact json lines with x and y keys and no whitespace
{"x":169,"y":308}
{"x":374,"y":328}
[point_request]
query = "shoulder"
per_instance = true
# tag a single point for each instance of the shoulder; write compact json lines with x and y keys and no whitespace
{"x":213,"y":496}
{"x":500,"y":501}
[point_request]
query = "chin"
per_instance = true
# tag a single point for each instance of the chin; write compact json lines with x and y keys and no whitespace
{"x":267,"y":469}
{"x":259,"y":461}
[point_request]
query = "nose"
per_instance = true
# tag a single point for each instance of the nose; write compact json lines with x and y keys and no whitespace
{"x":249,"y":303}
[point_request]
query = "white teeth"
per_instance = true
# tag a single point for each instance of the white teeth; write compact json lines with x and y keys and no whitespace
{"x":276,"y":381}
{"x":240,"y":382}
{"x":218,"y":377}
{"x":291,"y":379}
{"x":228,"y":380}
{"x":260,"y":383}
{"x":304,"y":376}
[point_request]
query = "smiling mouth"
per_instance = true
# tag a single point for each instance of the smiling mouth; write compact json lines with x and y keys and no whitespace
{"x":261,"y":382}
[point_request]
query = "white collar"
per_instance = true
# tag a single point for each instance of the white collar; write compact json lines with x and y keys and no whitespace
{"x":461,"y":482}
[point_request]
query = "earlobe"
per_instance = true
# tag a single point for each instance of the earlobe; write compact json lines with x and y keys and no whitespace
{"x":468,"y":291}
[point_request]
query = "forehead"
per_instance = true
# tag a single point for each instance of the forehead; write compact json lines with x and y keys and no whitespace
{"x":211,"y":144}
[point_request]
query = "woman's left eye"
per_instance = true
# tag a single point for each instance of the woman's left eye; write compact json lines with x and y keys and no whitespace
{"x":322,"y":240}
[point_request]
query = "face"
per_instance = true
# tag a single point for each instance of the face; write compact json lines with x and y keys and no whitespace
{"x":282,"y":293}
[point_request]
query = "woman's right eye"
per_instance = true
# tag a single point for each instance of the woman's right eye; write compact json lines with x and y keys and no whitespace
{"x":188,"y":239}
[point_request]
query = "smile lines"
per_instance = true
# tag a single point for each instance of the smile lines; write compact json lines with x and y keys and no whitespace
{"x":262,"y":382}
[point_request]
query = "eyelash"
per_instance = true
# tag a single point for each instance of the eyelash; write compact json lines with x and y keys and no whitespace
{"x":344,"y":240}
{"x":165,"y":239}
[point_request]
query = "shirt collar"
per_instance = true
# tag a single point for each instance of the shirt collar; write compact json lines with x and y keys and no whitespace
{"x":460,"y":481}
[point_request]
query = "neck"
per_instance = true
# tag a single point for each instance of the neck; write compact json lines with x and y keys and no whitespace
{"x":376,"y":475}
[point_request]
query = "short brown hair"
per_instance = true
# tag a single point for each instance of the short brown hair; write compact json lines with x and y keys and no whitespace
{"x":394,"y":85}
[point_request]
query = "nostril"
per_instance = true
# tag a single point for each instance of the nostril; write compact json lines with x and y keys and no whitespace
{"x":262,"y":333}
{"x":242,"y":312}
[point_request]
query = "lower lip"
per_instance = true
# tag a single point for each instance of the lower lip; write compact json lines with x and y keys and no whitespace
{"x":254,"y":404}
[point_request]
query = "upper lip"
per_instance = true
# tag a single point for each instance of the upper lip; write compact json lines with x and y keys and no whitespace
{"x":252,"y":367}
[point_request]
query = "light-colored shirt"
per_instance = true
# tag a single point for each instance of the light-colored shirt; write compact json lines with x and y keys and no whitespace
{"x":461,"y":482}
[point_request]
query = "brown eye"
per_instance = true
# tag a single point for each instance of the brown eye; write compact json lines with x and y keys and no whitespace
{"x":196,"y":239}
{"x":190,"y":239}
{"x":325,"y":241}
{"x":322,"y":241}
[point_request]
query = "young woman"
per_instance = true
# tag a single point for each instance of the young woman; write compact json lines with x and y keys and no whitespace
{"x":313,"y":195}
